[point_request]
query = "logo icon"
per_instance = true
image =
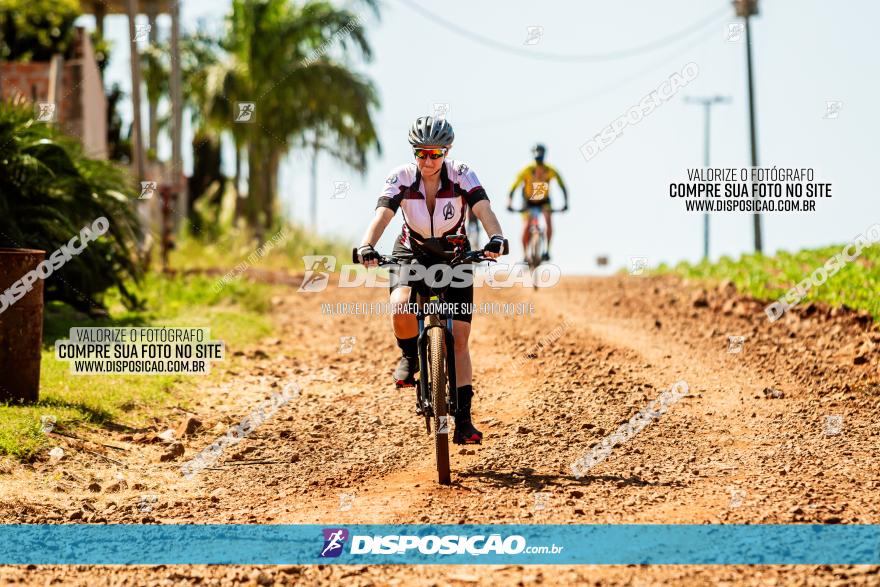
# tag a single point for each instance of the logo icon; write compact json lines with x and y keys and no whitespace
{"x":443,"y":424}
{"x":141,"y":32}
{"x":246,"y":111}
{"x":539,"y":190}
{"x":391,"y":179}
{"x":735,"y":32}
{"x":448,"y":211}
{"x":45,"y":111}
{"x":832,"y":109}
{"x":318,"y":269}
{"x":736,"y":496}
{"x":340,"y":190}
{"x":440,"y":110}
{"x":334,"y":539}
{"x":833,"y":425}
{"x":542,"y":499}
{"x":148,"y":190}
{"x":462,"y":169}
{"x":346,"y":344}
{"x":146,"y":502}
{"x":346,"y":500}
{"x":47,"y":423}
{"x":534,"y":34}
{"x":637,"y":265}
{"x":735,"y":344}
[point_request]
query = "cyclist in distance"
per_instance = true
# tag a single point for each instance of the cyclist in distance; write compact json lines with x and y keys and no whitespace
{"x":433,"y":193}
{"x":535,"y":180}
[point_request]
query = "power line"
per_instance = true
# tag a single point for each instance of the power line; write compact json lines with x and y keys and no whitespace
{"x":551,"y":109}
{"x":620,"y":54}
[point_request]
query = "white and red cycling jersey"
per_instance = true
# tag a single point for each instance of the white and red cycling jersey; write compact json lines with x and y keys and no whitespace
{"x":422,"y":231}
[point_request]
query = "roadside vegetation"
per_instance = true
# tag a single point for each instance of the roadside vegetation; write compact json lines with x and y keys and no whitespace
{"x":230,"y":238}
{"x":855,"y":285}
{"x":237,"y":315}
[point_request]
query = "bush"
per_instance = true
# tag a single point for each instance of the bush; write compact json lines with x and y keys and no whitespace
{"x":49,"y":190}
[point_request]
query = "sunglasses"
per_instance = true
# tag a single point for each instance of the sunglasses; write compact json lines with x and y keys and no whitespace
{"x":432,"y":153}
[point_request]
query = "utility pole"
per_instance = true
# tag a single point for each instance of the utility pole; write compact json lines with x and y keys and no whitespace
{"x":707,"y":103}
{"x":746,"y":9}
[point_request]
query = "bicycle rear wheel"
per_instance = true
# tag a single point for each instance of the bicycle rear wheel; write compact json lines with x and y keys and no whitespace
{"x":437,"y":354}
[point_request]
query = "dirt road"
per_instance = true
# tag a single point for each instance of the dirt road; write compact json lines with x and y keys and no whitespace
{"x":786,"y":430}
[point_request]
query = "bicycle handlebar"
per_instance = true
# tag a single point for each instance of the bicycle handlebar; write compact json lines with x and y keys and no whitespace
{"x":557,"y":210}
{"x":476,"y":255}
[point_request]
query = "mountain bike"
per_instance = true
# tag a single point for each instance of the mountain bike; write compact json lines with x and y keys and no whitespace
{"x":437,"y":392}
{"x":537,"y":243}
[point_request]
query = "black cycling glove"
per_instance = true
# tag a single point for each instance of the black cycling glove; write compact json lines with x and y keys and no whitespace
{"x":368,"y":253}
{"x":495,"y":244}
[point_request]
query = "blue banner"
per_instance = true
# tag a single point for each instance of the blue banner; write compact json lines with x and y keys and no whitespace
{"x":622,"y":544}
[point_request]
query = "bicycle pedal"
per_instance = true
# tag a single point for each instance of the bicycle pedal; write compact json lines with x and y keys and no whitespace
{"x":400,"y":384}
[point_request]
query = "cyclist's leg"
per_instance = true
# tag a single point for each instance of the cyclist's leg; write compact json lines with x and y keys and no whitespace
{"x":465,"y":432}
{"x":463,"y":298}
{"x":406,"y":331}
{"x":525,"y":233}
{"x":402,"y":320}
{"x":461,"y":331}
{"x":548,"y":222}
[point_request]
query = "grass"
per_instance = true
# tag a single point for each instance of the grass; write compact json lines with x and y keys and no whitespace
{"x":284,"y":250}
{"x":237,"y":314}
{"x":767,"y":278}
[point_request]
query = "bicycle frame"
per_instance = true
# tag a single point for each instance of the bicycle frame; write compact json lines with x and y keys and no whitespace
{"x":535,"y":215}
{"x":444,"y":322}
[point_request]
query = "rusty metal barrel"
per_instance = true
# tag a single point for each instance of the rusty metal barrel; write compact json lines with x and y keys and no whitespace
{"x":21,"y":327}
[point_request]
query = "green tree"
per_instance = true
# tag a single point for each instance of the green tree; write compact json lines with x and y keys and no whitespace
{"x":283,"y":61}
{"x":34,"y":30}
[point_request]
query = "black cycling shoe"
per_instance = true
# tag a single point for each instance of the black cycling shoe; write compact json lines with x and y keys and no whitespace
{"x":545,"y":257}
{"x":405,"y":374}
{"x":465,"y":433}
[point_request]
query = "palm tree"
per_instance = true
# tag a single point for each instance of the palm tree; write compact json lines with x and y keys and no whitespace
{"x":282,"y":63}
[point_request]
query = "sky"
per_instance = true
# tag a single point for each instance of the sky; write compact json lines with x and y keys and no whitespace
{"x":505,"y":94}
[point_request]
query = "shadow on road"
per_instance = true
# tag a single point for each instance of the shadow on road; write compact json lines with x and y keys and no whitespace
{"x":528,"y":478}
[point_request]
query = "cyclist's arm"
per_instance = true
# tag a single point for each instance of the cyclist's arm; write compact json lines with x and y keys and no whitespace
{"x":516,"y":183}
{"x":487,"y":217}
{"x":377,"y":226}
{"x":562,"y":186}
{"x":389,"y":201}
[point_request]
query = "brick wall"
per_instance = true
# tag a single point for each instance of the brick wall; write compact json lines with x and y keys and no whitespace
{"x":82,"y":106}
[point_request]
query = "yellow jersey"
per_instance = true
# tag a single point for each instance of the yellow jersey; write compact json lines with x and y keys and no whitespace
{"x":535,"y":180}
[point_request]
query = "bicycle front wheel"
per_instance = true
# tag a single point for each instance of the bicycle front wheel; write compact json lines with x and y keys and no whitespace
{"x":437,"y":352}
{"x":536,"y":249}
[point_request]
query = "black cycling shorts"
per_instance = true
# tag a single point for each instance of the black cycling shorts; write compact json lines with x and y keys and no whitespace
{"x":462,"y":297}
